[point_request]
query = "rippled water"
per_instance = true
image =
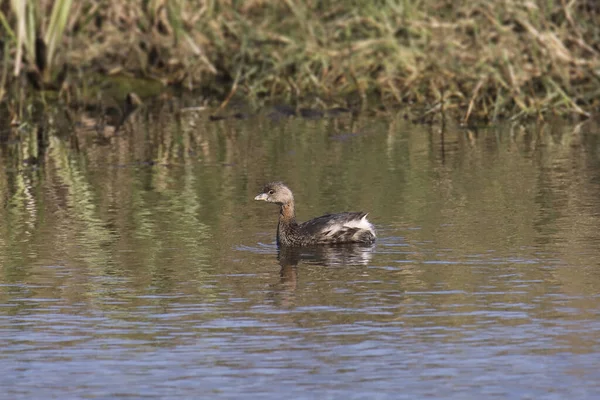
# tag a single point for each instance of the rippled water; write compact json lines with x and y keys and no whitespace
{"x":140,"y":266}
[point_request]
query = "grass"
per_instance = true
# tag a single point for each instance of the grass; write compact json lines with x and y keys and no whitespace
{"x":477,"y":59}
{"x":36,"y":37}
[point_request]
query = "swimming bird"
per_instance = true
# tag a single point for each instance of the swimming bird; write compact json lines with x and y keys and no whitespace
{"x":346,"y":227}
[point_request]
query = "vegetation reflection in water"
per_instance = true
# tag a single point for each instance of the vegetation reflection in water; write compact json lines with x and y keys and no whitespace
{"x":149,"y":240}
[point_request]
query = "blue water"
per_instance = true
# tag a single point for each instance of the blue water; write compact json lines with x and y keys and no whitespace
{"x":123,"y":278}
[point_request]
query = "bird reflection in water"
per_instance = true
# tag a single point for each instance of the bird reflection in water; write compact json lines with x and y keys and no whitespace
{"x":283,"y":293}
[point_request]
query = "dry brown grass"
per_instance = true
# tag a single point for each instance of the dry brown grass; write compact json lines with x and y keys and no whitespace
{"x":481,"y":59}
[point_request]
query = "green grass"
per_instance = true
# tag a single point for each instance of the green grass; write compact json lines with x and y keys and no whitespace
{"x":484,"y":60}
{"x":36,"y":36}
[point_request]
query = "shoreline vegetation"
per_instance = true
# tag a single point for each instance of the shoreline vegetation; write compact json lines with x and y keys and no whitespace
{"x":475,"y":60}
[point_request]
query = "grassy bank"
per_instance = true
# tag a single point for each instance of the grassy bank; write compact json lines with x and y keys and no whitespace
{"x":475,"y":59}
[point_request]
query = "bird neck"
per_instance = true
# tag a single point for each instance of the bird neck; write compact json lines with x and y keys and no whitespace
{"x":287,"y":214}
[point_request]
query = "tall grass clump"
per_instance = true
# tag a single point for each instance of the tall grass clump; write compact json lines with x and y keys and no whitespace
{"x":477,"y":59}
{"x":36,"y":35}
{"x":482,"y":59}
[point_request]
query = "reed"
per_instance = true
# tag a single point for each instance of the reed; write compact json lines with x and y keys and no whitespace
{"x":36,"y":35}
{"x":4,"y":72}
{"x":56,"y":27}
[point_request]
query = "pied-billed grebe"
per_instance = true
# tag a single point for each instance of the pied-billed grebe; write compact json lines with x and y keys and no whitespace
{"x":347,"y":227}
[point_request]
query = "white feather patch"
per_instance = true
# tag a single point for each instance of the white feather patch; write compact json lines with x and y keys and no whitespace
{"x":362,"y":224}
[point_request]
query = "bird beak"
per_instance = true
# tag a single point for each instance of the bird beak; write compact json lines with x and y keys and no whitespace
{"x":262,"y":196}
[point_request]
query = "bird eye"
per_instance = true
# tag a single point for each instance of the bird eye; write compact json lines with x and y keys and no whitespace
{"x":271,"y":191}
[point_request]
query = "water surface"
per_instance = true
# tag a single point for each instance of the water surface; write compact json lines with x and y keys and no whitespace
{"x":139,"y":266}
